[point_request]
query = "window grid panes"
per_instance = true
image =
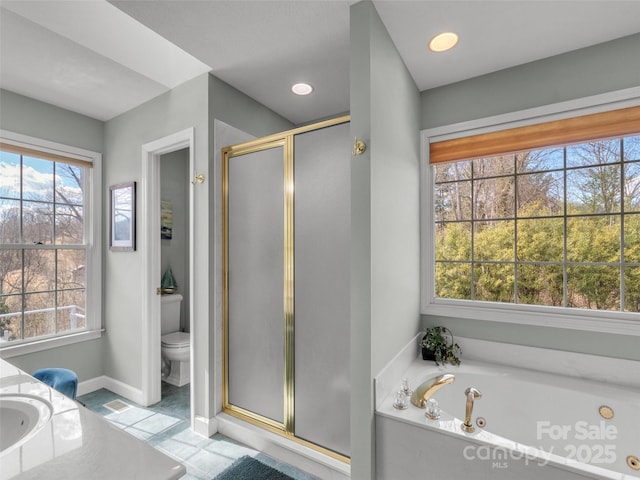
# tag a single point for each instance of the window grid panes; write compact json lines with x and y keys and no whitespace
{"x":556,"y":227}
{"x":43,"y":253}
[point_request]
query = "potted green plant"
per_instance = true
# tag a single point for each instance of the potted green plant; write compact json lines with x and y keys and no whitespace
{"x":438,"y":344}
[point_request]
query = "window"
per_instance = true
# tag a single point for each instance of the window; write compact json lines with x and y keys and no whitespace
{"x":48,"y":258}
{"x":557,"y":227}
{"x":556,"y":224}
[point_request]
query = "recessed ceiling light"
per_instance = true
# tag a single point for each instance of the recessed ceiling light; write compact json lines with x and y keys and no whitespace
{"x":443,"y":42}
{"x":302,"y":89}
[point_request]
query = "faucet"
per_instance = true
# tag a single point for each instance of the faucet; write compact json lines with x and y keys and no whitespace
{"x":472,"y":394}
{"x":428,"y":388}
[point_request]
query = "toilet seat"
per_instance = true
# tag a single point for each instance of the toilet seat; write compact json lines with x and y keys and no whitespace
{"x":175,"y":340}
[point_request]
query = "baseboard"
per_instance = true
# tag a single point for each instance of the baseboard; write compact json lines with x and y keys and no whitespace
{"x":111,"y":384}
{"x":205,"y":426}
{"x":91,"y":385}
{"x":284,"y":450}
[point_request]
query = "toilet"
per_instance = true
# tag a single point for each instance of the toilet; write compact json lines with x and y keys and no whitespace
{"x":174,"y":344}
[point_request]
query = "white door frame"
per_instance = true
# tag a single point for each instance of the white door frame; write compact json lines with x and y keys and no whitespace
{"x":150,"y":243}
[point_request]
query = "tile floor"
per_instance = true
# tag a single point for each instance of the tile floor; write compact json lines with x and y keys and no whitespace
{"x":165,"y":426}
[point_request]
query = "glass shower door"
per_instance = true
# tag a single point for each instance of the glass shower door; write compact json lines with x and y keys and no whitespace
{"x":322,"y":286}
{"x":255,"y":328}
{"x":286,"y":301}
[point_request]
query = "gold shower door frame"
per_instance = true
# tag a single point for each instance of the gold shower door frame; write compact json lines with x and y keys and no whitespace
{"x":286,"y":141}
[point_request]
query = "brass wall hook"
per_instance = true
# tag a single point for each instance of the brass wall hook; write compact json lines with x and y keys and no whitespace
{"x":199,"y":178}
{"x":359,"y":147}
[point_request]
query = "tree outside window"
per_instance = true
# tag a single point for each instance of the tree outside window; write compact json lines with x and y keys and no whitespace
{"x":42,"y":246}
{"x":556,"y":227}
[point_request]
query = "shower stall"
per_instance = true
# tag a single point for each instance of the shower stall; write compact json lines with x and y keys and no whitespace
{"x":286,"y":273}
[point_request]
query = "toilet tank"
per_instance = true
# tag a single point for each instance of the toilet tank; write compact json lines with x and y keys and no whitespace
{"x":170,"y":313}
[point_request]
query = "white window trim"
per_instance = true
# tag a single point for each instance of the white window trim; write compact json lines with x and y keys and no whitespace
{"x":93,"y":232}
{"x":625,"y":323}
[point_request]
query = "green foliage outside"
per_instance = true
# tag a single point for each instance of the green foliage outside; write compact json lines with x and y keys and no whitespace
{"x":523,"y":249}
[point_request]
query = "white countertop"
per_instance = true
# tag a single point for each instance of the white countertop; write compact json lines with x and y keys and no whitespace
{"x":77,"y":443}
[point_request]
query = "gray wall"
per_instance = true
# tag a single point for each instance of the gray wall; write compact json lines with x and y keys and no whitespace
{"x":183,"y":107}
{"x":590,"y":71}
{"x":84,"y":358}
{"x":42,"y":120}
{"x":192,"y":104}
{"x":605,"y":67}
{"x":174,"y":253}
{"x":234,"y":108}
{"x":27,"y":116}
{"x":385,"y":219}
{"x":608,"y":345}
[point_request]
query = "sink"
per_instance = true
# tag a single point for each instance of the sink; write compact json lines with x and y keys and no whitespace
{"x":21,"y":417}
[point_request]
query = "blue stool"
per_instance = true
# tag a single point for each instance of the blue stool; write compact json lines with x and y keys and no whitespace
{"x":62,"y":379}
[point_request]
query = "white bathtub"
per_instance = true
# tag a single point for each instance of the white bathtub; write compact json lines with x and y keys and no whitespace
{"x":538,"y":425}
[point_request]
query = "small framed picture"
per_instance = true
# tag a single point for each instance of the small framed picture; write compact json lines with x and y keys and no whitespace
{"x":166,"y":220}
{"x":122,"y":236}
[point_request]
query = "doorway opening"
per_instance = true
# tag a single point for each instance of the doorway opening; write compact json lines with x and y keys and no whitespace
{"x":180,"y":144}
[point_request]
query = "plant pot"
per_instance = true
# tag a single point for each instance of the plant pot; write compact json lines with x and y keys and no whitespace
{"x":428,"y":354}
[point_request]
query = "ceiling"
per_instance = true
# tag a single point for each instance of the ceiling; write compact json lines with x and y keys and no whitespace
{"x":103,"y":58}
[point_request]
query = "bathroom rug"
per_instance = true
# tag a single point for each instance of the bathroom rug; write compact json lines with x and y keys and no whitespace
{"x":248,"y":468}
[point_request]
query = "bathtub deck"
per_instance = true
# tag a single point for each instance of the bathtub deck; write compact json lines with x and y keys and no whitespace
{"x":409,"y":445}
